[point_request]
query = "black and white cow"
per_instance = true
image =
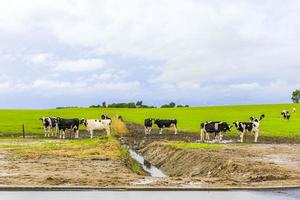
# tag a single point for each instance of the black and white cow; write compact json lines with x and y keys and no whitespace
{"x":286,"y":115}
{"x":97,"y":124}
{"x":216,"y":128}
{"x":148,"y":125}
{"x":49,"y":124}
{"x":105,"y":117}
{"x":249,"y":127}
{"x":166,"y":123}
{"x":68,"y":124}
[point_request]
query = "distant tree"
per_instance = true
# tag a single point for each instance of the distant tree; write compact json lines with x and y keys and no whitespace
{"x":186,"y":106}
{"x":172,"y":105}
{"x":296,"y":96}
{"x":179,"y":106}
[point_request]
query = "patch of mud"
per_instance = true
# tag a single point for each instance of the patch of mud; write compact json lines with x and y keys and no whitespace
{"x":65,"y":171}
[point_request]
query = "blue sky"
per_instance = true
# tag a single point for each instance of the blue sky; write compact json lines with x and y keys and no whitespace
{"x":68,"y":52}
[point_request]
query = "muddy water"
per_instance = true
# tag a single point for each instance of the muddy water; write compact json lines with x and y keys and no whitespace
{"x":152,"y":170}
{"x":116,"y":195}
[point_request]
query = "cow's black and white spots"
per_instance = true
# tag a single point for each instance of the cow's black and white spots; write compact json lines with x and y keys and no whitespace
{"x":50,"y":124}
{"x":216,"y":128}
{"x":148,"y":125}
{"x":96,"y":124}
{"x":68,"y":124}
{"x":166,"y":123}
{"x":249,"y":127}
{"x":286,"y":115}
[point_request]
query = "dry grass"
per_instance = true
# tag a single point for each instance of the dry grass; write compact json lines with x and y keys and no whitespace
{"x":119,"y":127}
{"x":104,"y":147}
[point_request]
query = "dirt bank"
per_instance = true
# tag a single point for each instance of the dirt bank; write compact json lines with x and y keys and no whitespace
{"x":242,"y":165}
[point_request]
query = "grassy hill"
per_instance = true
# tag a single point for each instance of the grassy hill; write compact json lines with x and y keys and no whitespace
{"x":188,"y":118}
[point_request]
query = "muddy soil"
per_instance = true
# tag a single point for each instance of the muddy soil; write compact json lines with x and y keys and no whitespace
{"x":64,"y":171}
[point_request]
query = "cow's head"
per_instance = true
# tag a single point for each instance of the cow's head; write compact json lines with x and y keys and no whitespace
{"x":226,"y":127}
{"x":46,"y":121}
{"x":236,"y":124}
{"x":83,"y":122}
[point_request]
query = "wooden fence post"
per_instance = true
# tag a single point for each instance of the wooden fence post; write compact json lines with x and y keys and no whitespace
{"x":23,"y":128}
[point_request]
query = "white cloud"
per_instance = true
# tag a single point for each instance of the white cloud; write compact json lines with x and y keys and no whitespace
{"x":244,"y":86}
{"x":41,"y":57}
{"x":81,"y":65}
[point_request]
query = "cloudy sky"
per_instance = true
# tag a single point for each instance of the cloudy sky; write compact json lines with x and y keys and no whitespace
{"x":214,"y":52}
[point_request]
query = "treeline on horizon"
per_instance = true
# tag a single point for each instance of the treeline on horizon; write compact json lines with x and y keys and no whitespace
{"x":138,"y":104}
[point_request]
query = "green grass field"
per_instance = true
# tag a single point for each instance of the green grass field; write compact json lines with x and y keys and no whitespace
{"x":188,"y":118}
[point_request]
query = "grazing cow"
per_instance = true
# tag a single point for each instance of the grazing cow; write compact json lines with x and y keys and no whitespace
{"x":68,"y":124}
{"x":217,"y":128}
{"x":49,"y":124}
{"x":251,"y":127}
{"x":286,"y":115}
{"x":166,"y":123}
{"x":105,"y":117}
{"x":96,"y":124}
{"x":148,"y":125}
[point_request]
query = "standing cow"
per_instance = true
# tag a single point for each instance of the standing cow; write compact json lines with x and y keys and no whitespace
{"x":286,"y":115}
{"x":166,"y":123}
{"x":148,"y":125}
{"x":249,"y":127}
{"x":68,"y":124}
{"x":217,"y":128}
{"x":96,"y":124}
{"x":49,"y":124}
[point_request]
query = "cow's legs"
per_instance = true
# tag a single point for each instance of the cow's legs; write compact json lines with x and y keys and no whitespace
{"x":91,"y":133}
{"x":207,"y":135}
{"x":149,"y":130}
{"x":256,"y":133}
{"x":108,"y":131}
{"x":242,"y":136}
{"x":160,"y":132}
{"x":202,"y":135}
{"x":63,"y":134}
{"x":220,"y":136}
{"x":175,"y":128}
{"x":76,"y":134}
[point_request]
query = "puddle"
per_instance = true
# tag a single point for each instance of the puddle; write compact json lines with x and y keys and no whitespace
{"x":217,"y":141}
{"x":152,"y":170}
{"x":280,"y":160}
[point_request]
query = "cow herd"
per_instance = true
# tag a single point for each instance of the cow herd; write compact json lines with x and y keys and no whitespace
{"x":54,"y":126}
{"x":215,"y":128}
{"x":57,"y":126}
